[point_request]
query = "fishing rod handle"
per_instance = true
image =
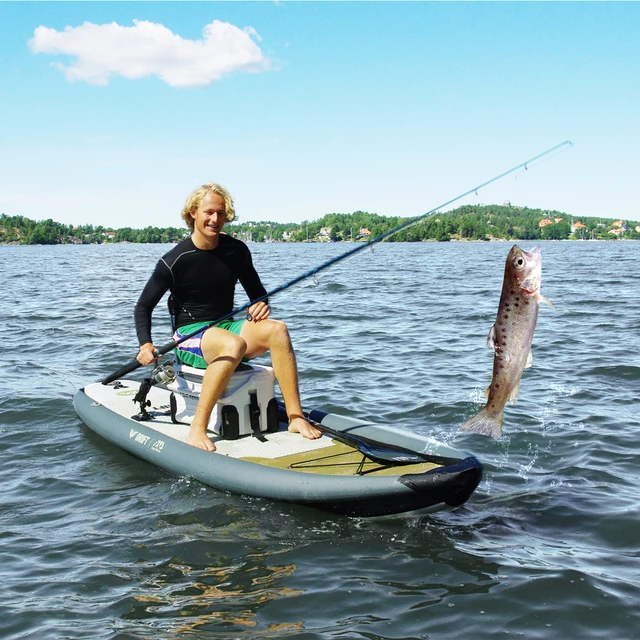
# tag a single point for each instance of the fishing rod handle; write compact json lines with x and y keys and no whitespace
{"x":134,"y":364}
{"x":128,"y":368}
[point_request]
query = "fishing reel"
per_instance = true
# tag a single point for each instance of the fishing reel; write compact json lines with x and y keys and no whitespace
{"x":163,"y":374}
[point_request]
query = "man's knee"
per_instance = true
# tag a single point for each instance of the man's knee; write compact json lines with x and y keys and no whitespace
{"x":279,"y":333}
{"x":229,"y":345}
{"x":279,"y":337}
{"x":235,"y":346}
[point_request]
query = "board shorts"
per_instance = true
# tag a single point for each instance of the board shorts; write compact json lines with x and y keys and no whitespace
{"x":189,"y":352}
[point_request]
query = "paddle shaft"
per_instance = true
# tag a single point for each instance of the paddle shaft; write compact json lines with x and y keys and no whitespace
{"x":133,"y":365}
{"x":390,"y":454}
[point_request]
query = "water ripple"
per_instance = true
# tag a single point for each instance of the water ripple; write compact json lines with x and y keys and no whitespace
{"x":98,"y":545}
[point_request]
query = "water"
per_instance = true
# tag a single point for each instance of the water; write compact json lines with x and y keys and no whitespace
{"x":96,"y":544}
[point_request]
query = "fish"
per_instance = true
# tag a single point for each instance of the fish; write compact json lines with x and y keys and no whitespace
{"x":511,"y":337}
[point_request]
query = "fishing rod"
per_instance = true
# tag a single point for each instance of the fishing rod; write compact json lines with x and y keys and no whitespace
{"x":132,"y":366}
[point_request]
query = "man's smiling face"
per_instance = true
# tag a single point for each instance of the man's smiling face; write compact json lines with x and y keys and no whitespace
{"x":208,"y":220}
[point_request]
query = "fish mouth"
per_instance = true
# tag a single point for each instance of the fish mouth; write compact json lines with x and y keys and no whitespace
{"x":530,"y":286}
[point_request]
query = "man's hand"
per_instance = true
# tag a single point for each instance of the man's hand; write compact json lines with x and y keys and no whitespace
{"x":259,"y":311}
{"x":147,"y":354}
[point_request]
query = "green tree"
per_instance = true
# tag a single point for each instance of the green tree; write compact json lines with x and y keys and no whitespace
{"x":556,"y":231}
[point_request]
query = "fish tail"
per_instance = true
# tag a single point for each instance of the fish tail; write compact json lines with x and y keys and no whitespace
{"x":484,"y":424}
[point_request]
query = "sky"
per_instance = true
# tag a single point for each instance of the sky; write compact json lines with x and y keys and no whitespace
{"x":111,"y":113}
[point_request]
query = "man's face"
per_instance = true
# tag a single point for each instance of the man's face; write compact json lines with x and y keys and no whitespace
{"x":209,"y":217}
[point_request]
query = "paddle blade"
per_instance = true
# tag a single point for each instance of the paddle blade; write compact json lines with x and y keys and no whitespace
{"x":386,"y":455}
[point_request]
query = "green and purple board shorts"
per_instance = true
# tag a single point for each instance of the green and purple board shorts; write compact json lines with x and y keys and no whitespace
{"x":189,"y":352}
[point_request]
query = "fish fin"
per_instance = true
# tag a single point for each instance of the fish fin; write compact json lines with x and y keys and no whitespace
{"x":529,"y":361}
{"x":541,"y":298}
{"x":483,"y":424}
{"x":491,"y":338}
{"x":515,"y":392}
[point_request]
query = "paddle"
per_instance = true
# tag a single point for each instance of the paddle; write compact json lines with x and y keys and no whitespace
{"x":133,"y":365}
{"x":381,"y":452}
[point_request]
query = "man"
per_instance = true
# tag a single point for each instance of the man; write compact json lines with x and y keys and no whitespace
{"x":201,"y":273}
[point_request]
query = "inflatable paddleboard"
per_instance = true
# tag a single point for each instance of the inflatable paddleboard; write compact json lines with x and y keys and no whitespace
{"x":356,"y":468}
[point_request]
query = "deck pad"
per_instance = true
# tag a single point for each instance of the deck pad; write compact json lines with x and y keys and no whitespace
{"x":340,"y":459}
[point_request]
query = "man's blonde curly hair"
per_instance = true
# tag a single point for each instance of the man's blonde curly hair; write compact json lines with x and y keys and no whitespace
{"x":194,"y":200}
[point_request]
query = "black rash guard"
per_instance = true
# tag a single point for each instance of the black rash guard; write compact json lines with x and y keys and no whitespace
{"x":202,"y":283}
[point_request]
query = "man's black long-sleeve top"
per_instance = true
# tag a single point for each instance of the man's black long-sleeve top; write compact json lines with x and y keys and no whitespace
{"x":202,"y":283}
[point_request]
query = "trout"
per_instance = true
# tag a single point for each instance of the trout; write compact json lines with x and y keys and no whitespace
{"x":511,"y":337}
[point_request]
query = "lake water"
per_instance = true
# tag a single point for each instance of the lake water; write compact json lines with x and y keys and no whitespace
{"x":96,"y":544}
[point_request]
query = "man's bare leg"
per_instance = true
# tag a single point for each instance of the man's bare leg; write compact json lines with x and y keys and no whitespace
{"x":223,"y":351}
{"x":273,"y":336}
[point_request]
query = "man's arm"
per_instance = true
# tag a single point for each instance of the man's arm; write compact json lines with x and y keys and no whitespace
{"x":156,"y":287}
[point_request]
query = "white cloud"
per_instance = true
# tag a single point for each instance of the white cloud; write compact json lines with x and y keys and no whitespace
{"x":147,"y":48}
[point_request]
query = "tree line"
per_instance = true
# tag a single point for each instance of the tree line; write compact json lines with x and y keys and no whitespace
{"x":469,"y":222}
{"x":21,"y":230}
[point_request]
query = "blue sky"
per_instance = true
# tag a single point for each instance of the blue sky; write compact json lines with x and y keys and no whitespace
{"x":302,"y":109}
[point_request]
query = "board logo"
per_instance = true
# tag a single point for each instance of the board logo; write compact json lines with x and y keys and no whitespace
{"x":158,"y":445}
{"x":134,"y":434}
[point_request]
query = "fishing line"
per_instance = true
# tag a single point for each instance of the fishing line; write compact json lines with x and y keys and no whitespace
{"x":132,"y":366}
{"x":552,"y":153}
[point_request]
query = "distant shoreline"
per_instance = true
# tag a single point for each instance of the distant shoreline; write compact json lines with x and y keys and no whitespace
{"x":295,"y":242}
{"x":486,"y":223}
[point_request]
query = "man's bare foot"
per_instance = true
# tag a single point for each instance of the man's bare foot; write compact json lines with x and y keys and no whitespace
{"x":197,"y":438}
{"x":298,"y":424}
